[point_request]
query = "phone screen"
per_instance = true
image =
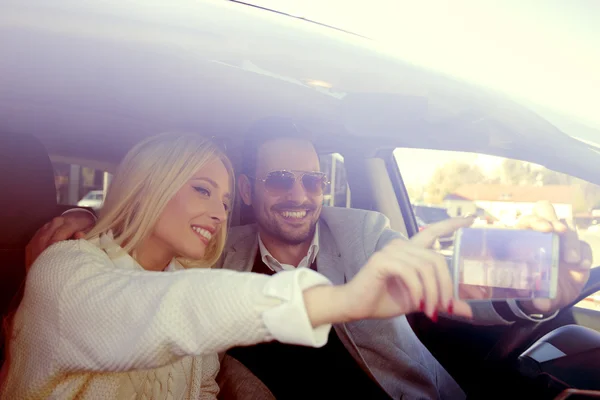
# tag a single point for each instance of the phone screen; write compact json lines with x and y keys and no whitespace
{"x":495,"y":263}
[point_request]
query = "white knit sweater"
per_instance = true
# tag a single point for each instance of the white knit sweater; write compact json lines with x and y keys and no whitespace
{"x":94,"y":325}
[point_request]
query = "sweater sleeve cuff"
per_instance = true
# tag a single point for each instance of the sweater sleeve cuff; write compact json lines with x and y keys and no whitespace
{"x":514,"y":307}
{"x":289,"y":322}
{"x":70,"y":210}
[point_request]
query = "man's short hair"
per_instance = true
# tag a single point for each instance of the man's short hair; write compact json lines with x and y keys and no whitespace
{"x":266,"y":130}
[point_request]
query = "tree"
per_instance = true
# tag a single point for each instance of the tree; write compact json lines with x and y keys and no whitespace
{"x":521,"y":173}
{"x":415,"y":193}
{"x":515,"y":172}
{"x":549,"y":177}
{"x":449,"y":177}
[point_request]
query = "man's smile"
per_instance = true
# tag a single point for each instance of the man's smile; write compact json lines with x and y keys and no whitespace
{"x":294,"y":215}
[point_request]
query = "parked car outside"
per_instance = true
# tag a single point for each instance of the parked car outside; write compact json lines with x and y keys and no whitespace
{"x":93,"y":199}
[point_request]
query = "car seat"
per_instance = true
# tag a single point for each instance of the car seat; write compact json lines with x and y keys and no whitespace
{"x":28,"y":201}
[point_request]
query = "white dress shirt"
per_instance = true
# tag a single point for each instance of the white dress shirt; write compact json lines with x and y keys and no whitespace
{"x":276,"y":266}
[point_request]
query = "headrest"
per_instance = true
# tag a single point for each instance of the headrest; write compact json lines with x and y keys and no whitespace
{"x":28,"y":198}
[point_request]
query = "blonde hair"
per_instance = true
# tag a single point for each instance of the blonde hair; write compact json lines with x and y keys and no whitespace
{"x":149,"y":176}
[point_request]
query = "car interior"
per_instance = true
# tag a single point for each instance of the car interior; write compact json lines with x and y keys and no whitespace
{"x":77,"y":112}
{"x":523,"y":355}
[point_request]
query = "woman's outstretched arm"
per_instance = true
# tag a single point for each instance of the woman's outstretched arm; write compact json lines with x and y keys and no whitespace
{"x":103,"y":318}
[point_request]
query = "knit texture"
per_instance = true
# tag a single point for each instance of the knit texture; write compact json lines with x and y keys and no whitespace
{"x":94,"y":325}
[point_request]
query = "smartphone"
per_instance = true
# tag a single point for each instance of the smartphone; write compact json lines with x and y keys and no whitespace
{"x":501,"y":264}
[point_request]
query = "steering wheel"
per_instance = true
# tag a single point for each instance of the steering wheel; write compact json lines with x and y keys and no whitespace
{"x":523,"y":333}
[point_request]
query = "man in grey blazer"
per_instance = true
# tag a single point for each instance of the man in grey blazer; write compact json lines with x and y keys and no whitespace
{"x":282,"y":184}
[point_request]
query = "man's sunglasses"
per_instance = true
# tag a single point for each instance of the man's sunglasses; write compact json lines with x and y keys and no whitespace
{"x":281,"y":182}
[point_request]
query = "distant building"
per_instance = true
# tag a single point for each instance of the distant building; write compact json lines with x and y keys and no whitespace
{"x":508,"y":203}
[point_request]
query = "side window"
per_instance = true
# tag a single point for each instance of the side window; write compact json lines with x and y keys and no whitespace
{"x":443,"y":184}
{"x":337,"y":194}
{"x":80,"y":185}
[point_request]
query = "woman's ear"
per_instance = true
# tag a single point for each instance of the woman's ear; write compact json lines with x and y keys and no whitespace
{"x":245,"y":189}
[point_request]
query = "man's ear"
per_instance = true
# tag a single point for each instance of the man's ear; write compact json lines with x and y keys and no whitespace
{"x":245,"y":189}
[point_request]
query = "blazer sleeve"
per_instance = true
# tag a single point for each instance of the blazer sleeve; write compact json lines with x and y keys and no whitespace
{"x":105,"y":318}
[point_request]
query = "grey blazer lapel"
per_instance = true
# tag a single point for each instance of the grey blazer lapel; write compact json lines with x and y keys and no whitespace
{"x":240,"y":256}
{"x":329,"y":257}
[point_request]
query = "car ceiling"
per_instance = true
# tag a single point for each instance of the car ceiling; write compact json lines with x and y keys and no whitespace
{"x":92,"y":78}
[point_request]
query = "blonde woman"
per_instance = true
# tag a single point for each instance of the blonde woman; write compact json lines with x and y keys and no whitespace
{"x":132,"y":311}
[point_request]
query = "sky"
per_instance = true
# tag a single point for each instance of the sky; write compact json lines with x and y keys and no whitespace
{"x":543,"y":52}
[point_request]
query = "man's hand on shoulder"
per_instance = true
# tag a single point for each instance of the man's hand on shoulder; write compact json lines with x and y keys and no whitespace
{"x":71,"y":225}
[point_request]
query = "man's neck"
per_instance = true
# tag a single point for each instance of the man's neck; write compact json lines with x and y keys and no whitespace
{"x":286,"y":253}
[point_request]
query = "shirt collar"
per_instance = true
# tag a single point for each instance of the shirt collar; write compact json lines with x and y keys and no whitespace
{"x":306,"y":262}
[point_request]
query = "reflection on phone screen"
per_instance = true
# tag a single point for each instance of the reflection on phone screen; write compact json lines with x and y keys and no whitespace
{"x":505,"y":263}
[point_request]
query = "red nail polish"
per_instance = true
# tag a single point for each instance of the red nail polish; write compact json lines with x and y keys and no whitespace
{"x":434,"y":317}
{"x":422,"y":305}
{"x":450,"y":307}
